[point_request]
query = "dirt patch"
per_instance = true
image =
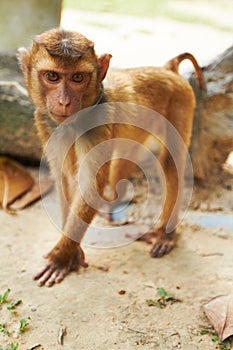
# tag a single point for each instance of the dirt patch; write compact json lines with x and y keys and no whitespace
{"x":105,"y":306}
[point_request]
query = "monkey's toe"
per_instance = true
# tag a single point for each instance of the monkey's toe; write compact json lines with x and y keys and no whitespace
{"x":147,"y":237}
{"x":162,"y":247}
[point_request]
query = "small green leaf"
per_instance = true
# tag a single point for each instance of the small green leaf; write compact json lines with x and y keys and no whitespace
{"x":163,"y":294}
{"x":166,"y":298}
{"x":150,"y":302}
{"x":23,"y":323}
{"x":208,"y":331}
{"x":12,"y":346}
{"x":11,"y":307}
{"x":215,"y":339}
{"x":3,"y":298}
{"x":3,"y":329}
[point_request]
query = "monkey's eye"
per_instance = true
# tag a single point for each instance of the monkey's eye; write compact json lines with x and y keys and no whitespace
{"x":51,"y":76}
{"x":78,"y":77}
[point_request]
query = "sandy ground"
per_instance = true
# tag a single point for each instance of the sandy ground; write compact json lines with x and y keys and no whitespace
{"x":88,"y":304}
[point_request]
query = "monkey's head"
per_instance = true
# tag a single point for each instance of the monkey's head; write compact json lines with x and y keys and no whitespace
{"x":62,"y":73}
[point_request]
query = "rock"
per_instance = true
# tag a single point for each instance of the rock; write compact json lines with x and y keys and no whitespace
{"x":18,"y":136}
{"x":212,"y":139}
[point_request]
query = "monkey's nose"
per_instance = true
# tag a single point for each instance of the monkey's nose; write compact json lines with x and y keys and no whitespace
{"x":64,"y":101}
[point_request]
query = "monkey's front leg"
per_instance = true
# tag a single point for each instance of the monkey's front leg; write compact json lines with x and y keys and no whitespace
{"x":67,"y":255}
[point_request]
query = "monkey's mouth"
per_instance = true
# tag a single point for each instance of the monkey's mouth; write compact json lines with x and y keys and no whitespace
{"x":59,"y":118}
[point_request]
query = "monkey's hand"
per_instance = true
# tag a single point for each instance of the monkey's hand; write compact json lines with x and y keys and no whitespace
{"x":162,"y":242}
{"x":66,"y":256}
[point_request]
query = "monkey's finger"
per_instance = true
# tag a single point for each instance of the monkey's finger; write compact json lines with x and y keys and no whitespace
{"x":84,"y":264}
{"x":81,"y":258}
{"x":41,"y":273}
{"x":45,"y":277}
{"x":82,"y":261}
{"x":62,"y":274}
{"x":46,"y":256}
{"x":56,"y":277}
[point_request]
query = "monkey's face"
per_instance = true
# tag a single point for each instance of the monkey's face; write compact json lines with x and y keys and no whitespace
{"x":61,"y":85}
{"x":64,"y":90}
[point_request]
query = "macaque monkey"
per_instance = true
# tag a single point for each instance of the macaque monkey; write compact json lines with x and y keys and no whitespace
{"x":63,"y":76}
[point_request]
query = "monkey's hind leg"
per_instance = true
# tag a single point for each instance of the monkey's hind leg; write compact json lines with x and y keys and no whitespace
{"x":163,"y":236}
{"x":173,"y":161}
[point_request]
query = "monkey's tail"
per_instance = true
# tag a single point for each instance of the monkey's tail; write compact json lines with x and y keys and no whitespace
{"x":174,"y":63}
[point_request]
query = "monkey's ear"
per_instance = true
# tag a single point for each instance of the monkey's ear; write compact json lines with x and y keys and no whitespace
{"x":24,"y":58}
{"x":104,"y":62}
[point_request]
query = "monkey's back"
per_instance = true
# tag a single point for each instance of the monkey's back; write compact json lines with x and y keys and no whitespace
{"x":152,"y":87}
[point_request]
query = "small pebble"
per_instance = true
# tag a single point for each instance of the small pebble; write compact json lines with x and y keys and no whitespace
{"x":204,"y":206}
{"x":121,"y":292}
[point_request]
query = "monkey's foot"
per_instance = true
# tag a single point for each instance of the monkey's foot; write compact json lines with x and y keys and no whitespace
{"x":162,"y":242}
{"x":60,"y":264}
{"x":106,"y":211}
{"x":117,"y":211}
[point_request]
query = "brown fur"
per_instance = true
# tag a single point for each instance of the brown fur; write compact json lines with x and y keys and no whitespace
{"x":160,"y":89}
